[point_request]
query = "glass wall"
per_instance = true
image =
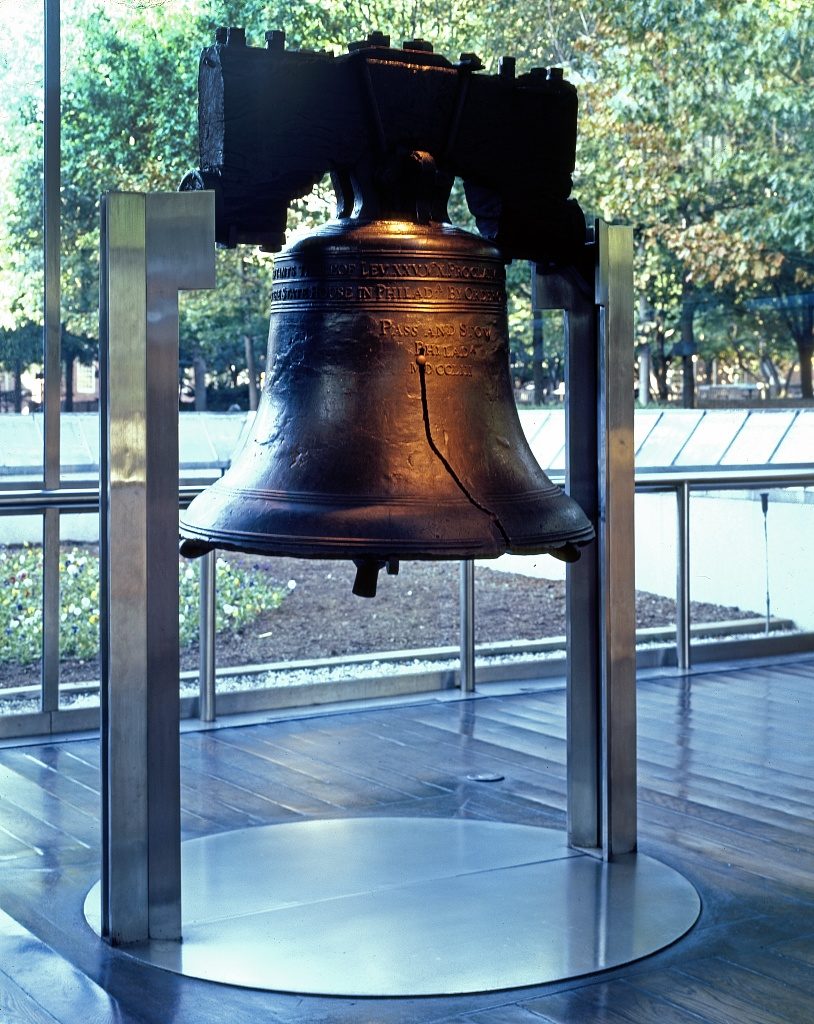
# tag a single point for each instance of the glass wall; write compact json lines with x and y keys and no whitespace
{"x":101,"y":94}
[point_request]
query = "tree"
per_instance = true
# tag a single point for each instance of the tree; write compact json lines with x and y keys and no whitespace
{"x":75,"y":348}
{"x":19,"y":347}
{"x":20,"y":150}
{"x":696,"y":127}
{"x":689,"y":136}
{"x":222,"y":332}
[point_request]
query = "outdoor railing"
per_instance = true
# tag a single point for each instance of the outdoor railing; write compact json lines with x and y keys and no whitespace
{"x":681,"y":483}
{"x":84,"y":497}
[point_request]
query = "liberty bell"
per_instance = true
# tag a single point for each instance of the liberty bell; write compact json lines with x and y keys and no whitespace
{"x":387,"y":428}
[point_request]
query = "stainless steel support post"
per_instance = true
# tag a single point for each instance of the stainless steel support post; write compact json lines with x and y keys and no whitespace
{"x":467,"y":604}
{"x":601,"y":697}
{"x":206,"y":638}
{"x":614,"y":297}
{"x":683,"y":656}
{"x":152,"y":246}
{"x":571,"y":292}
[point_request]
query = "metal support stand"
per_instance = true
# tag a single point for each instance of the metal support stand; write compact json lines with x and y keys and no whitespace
{"x":601,"y":623}
{"x":438,"y":905}
{"x":151,"y":247}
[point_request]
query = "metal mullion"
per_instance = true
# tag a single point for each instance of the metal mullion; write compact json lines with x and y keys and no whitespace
{"x":51,"y":354}
{"x":104,"y":562}
{"x":683,"y":653}
{"x":51,"y":243}
{"x":49,"y":693}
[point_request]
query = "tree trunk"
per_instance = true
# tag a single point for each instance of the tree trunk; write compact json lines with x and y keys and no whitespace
{"x":801,"y":326}
{"x":800,"y":322}
{"x":687,"y":382}
{"x":771,"y":376}
{"x":537,"y":356}
{"x":789,"y":376}
{"x":251,"y":369}
{"x":660,"y":359}
{"x":806,"y":353}
{"x":18,"y":386}
{"x":69,"y":361}
{"x":644,"y":374}
{"x":199,"y":372}
{"x":805,"y":348}
{"x":688,"y":347}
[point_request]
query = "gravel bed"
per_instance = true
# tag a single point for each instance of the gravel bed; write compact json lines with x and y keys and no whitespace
{"x":419,"y":608}
{"x":281,"y":678}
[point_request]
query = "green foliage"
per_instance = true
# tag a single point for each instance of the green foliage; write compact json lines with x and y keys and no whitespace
{"x":698,"y":131}
{"x":20,"y":345}
{"x":215,"y":324}
{"x":128,"y":117}
{"x":696,"y":126}
{"x":242,"y":597}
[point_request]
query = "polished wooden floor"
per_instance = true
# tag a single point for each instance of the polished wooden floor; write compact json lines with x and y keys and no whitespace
{"x":726,"y":771}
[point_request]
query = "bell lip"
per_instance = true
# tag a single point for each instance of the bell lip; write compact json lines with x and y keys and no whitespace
{"x":193,"y":547}
{"x":404,"y":527}
{"x":197,"y":542}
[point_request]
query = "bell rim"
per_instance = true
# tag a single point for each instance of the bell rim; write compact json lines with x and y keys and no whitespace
{"x":400,"y":526}
{"x":345,"y":548}
{"x":305,"y":545}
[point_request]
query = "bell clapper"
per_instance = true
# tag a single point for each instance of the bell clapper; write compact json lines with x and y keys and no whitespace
{"x":367,"y":576}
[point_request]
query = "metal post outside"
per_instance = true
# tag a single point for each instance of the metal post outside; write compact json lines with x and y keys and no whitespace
{"x":467,"y":604}
{"x":206,"y":638}
{"x":683,"y":655}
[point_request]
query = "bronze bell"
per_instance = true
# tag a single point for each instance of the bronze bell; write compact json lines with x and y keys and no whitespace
{"x":387,"y":427}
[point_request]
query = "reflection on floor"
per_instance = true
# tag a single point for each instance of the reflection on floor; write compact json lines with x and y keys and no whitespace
{"x":726,"y":768}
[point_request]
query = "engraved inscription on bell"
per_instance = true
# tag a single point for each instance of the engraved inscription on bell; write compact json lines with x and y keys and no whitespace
{"x":388,"y":281}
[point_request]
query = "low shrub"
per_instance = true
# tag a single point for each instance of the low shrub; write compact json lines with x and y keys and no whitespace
{"x":241,"y":597}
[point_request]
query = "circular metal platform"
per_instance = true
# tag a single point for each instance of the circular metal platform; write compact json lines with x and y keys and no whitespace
{"x":411,"y":906}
